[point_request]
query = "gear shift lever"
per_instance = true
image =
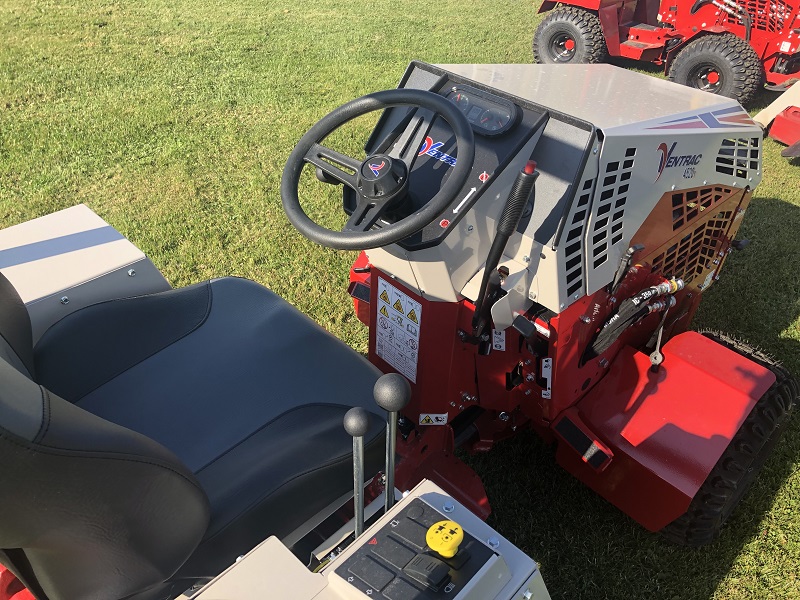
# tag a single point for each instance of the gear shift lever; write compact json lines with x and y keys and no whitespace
{"x":356,"y":423}
{"x":392,"y":393}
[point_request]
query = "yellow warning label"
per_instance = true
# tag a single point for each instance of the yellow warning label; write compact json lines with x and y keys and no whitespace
{"x":413,"y":316}
{"x":426,"y":420}
{"x":398,"y":306}
{"x":384,"y":312}
{"x":385,"y":296}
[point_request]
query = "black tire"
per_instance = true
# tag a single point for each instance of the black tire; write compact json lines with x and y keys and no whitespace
{"x":569,"y":34}
{"x":741,"y":462}
{"x":721,"y":64}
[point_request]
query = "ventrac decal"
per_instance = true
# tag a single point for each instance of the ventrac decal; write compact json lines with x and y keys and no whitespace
{"x":718,"y":119}
{"x":431,"y":148}
{"x":668,"y":159}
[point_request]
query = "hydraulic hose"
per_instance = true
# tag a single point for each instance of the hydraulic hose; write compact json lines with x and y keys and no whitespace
{"x":521,"y":191}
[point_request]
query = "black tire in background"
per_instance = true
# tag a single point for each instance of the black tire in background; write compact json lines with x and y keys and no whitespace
{"x":744,"y":457}
{"x":721,"y":64}
{"x":569,"y":34}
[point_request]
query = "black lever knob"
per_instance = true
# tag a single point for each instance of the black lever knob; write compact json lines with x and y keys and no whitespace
{"x":356,"y":422}
{"x":392,"y":392}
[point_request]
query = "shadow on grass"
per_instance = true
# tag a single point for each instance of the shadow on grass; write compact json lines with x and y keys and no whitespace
{"x":589,"y":549}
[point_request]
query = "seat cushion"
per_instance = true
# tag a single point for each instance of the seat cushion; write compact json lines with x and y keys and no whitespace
{"x":248,"y":392}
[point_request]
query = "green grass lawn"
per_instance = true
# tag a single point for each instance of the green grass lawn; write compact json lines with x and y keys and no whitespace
{"x":172,"y":120}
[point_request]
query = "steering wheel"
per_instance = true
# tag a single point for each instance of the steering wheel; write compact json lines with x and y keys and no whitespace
{"x":381,"y":181}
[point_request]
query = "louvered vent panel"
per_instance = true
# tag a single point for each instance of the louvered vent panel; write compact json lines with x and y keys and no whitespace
{"x":611,"y":197}
{"x":572,"y":264}
{"x":738,"y":157}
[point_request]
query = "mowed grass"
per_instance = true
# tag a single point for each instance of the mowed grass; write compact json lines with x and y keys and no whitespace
{"x":172,"y":120}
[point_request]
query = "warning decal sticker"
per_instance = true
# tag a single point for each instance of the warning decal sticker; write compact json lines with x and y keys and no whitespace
{"x":433,"y":419}
{"x":397,"y":331}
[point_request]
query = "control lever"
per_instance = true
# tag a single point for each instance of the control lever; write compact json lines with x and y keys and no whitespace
{"x":356,"y":423}
{"x":392,"y":393}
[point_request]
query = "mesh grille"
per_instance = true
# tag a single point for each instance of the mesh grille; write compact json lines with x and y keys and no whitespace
{"x":766,"y":15}
{"x":738,"y":157}
{"x":695,"y":252}
{"x":613,"y":194}
{"x":573,"y":242}
{"x":688,"y":206}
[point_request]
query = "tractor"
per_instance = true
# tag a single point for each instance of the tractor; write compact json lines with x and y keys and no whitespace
{"x":727,"y":47}
{"x":531,"y":258}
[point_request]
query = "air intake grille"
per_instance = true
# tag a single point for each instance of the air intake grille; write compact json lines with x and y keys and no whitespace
{"x":738,"y":157}
{"x":695,"y":252}
{"x":573,"y":242}
{"x":688,"y":206}
{"x":610,"y":207}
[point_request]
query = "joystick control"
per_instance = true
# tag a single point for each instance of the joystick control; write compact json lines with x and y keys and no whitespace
{"x":392,"y":393}
{"x":356,"y":423}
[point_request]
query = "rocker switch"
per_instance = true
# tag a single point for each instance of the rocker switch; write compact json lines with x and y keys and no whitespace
{"x":429,"y":571}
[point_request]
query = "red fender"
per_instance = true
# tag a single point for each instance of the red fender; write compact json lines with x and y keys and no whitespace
{"x":666,"y":429}
{"x":11,"y":588}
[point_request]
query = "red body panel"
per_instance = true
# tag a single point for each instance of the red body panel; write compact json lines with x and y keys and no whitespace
{"x":786,"y":126}
{"x":668,"y":428}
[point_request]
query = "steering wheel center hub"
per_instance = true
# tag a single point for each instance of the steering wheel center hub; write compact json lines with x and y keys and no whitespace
{"x":381,"y":178}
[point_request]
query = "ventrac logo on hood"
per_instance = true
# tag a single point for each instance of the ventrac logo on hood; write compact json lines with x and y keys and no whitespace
{"x":667,"y":160}
{"x":431,"y":148}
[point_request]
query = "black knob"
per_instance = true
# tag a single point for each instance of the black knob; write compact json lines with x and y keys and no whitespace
{"x":356,"y":421}
{"x":392,"y":392}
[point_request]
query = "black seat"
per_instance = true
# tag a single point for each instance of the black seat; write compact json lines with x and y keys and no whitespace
{"x":148,"y":442}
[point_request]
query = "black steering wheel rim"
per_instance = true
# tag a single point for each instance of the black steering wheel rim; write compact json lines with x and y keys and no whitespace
{"x":387,"y":234}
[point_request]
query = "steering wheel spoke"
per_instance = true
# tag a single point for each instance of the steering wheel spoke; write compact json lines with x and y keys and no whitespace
{"x":406,"y":147}
{"x":335,"y":164}
{"x":365,"y":215}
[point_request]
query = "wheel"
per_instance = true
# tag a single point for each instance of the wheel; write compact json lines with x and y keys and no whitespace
{"x":380,"y":181}
{"x":569,"y":34}
{"x":741,"y":462}
{"x":721,"y":64}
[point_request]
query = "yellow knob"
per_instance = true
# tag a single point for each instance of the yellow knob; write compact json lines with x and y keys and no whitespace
{"x":444,"y":538}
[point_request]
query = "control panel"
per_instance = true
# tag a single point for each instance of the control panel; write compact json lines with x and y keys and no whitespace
{"x":427,"y":547}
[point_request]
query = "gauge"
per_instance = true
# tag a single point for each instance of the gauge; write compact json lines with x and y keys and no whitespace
{"x":461,"y":100}
{"x":494,"y":119}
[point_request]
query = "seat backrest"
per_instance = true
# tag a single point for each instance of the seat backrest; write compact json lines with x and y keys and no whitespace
{"x":88,"y":509}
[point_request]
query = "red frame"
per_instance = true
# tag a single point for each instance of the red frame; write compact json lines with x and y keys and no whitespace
{"x":641,"y":421}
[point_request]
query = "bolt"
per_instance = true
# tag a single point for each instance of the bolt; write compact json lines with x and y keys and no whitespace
{"x":594,"y":151}
{"x":585,"y":319}
{"x":613,"y":300}
{"x":575,"y":297}
{"x":528,"y":377}
{"x":493,"y":542}
{"x":131,"y":273}
{"x":527,"y":362}
{"x":64,"y":300}
{"x":526,"y":259}
{"x":460,"y":407}
{"x":673,"y":187}
{"x":448,"y":507}
{"x":527,"y":595}
{"x":603,"y":363}
{"x":470,"y":228}
{"x":527,"y":392}
{"x":453,"y":404}
{"x":562,"y":305}
{"x":504,"y":416}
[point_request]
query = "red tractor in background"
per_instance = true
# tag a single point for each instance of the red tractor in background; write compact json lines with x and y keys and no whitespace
{"x":727,"y":47}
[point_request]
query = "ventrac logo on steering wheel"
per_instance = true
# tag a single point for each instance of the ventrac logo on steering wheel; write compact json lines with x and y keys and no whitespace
{"x":431,"y":148}
{"x":376,"y":169}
